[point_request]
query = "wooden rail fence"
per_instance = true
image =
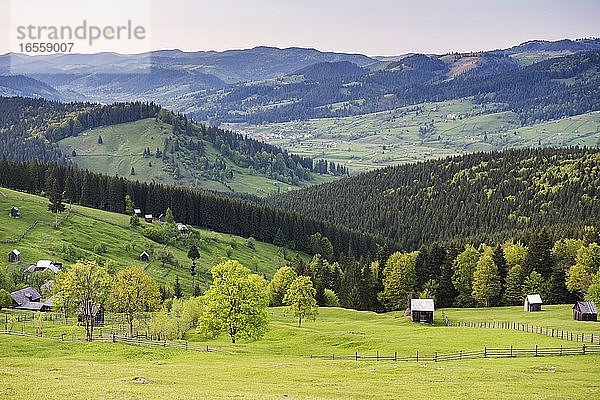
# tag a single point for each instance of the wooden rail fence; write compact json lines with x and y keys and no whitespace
{"x":541,"y":330}
{"x":511,"y":352}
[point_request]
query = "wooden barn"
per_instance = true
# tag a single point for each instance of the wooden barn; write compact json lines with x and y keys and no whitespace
{"x":421,"y":310}
{"x":148,"y":218}
{"x":14,"y":256}
{"x":137,"y":212}
{"x":585,"y":311}
{"x":29,"y":299}
{"x":533,"y":302}
{"x":145,"y":257}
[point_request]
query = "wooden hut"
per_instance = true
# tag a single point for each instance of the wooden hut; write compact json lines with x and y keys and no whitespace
{"x":137,"y":212}
{"x":145,"y":257}
{"x":585,"y":311}
{"x":14,"y":256}
{"x":421,"y":310}
{"x":148,"y":218}
{"x":533,"y":302}
{"x":14,"y":212}
{"x":97,"y":314}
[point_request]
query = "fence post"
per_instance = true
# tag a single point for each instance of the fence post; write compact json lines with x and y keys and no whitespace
{"x":395,"y":356}
{"x":186,"y":346}
{"x":560,"y":350}
{"x":417,"y":355}
{"x":460,"y":357}
{"x":356,"y":356}
{"x":592,"y":339}
{"x":511,"y":352}
{"x":583,"y":349}
{"x":536,"y":350}
{"x":377,"y":355}
{"x":113,"y":337}
{"x":485,"y":352}
{"x":435,"y":359}
{"x":62,"y":337}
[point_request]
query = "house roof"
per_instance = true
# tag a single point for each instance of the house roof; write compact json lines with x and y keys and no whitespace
{"x":586,"y":307}
{"x":148,"y":216}
{"x":143,"y":252}
{"x":534,"y":299}
{"x":16,"y":252}
{"x":32,"y":305}
{"x":43,"y":265}
{"x":137,"y":210}
{"x":422,"y":305}
{"x":26,"y":295}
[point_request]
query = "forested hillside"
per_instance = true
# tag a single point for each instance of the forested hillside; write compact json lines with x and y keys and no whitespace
{"x":187,"y":151}
{"x":484,"y":196}
{"x":536,"y":92}
{"x":199,"y":208}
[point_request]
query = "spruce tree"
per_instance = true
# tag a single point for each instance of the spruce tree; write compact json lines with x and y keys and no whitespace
{"x":177,"y":290}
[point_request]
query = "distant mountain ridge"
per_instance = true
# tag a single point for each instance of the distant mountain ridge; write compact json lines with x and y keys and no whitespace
{"x":267,"y":84}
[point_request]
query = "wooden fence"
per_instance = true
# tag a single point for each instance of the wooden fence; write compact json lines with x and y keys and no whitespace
{"x":134,"y":341}
{"x":510,"y":352}
{"x":541,"y":330}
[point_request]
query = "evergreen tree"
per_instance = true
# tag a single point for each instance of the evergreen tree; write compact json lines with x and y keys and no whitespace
{"x":177,"y":290}
{"x":54,"y":195}
{"x":539,"y":254}
{"x":513,"y":286}
{"x":279,"y":239}
{"x":100,"y":141}
{"x":501,"y":265}
{"x":129,"y":206}
{"x":169,"y":219}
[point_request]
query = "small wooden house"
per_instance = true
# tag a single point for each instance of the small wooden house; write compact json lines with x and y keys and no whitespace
{"x":533,"y":302}
{"x":14,"y":256}
{"x":148,"y":218}
{"x":97,"y":314}
{"x":421,"y":310}
{"x":44,"y":265}
{"x":585,"y":311}
{"x":145,"y":257}
{"x":15,"y":213}
{"x":137,"y":212}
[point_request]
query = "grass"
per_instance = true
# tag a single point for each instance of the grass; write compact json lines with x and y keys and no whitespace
{"x":124,"y":144}
{"x":274,"y":368}
{"x":374,"y":140}
{"x":81,"y":234}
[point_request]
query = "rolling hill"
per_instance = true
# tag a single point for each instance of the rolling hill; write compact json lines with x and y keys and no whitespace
{"x":89,"y":233}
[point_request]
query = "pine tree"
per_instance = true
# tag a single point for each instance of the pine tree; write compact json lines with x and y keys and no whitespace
{"x":100,"y":141}
{"x":177,"y":290}
{"x":539,"y":255}
{"x":502,"y":266}
{"x":54,"y":195}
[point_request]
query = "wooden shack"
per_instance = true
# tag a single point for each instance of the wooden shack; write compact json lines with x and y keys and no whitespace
{"x":148,"y":218}
{"x":97,"y":314}
{"x":14,"y":256}
{"x":15,"y":213}
{"x":421,"y":310}
{"x":145,"y":257}
{"x":585,"y":311}
{"x":533,"y":302}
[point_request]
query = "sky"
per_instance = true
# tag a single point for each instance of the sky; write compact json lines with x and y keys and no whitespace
{"x":375,"y":27}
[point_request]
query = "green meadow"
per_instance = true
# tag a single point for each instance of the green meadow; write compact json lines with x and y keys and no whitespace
{"x":80,"y":233}
{"x":123,"y":146}
{"x":276,"y":366}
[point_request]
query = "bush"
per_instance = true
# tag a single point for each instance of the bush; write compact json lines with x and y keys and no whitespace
{"x":100,"y":248}
{"x":251,"y":243}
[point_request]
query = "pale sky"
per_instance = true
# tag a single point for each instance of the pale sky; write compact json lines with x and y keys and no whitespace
{"x":375,"y":27}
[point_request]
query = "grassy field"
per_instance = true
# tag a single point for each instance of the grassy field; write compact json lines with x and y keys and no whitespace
{"x":123,"y":146}
{"x":78,"y":236}
{"x":275,"y":367}
{"x":393,"y":137}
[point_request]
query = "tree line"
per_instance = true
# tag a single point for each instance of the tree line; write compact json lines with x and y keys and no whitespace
{"x":194,"y":207}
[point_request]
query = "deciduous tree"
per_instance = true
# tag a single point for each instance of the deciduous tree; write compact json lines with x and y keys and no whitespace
{"x":236,"y":303}
{"x":133,"y":291}
{"x":300,"y":297}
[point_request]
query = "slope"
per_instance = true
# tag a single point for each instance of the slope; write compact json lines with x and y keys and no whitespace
{"x":89,"y":233}
{"x":482,"y":195}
